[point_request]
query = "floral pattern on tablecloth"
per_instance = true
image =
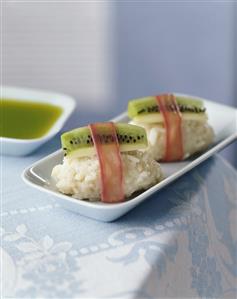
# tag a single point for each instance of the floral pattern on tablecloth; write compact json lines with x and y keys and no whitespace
{"x":181,"y":243}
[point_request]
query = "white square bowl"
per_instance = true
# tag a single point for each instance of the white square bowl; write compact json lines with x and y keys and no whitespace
{"x":21,"y":147}
{"x":222,"y":118}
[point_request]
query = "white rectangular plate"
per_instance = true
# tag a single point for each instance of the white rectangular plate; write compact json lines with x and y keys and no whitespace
{"x":222,"y":118}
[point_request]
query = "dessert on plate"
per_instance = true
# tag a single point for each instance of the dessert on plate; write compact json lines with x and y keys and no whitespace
{"x":176,"y":126}
{"x":104,"y":162}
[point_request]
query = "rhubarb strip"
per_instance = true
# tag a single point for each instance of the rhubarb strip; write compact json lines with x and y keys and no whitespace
{"x":111,"y":170}
{"x":173,"y":126}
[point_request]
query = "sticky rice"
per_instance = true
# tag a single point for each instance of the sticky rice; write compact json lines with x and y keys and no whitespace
{"x":197,"y":136}
{"x":80,"y":177}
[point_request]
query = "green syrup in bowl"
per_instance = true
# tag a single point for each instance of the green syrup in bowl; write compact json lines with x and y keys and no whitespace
{"x":26,"y":119}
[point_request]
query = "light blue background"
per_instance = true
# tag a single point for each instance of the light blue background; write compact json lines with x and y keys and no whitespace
{"x":180,"y":46}
{"x":150,"y":47}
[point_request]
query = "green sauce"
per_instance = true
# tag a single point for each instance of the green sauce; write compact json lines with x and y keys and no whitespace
{"x":26,"y":120}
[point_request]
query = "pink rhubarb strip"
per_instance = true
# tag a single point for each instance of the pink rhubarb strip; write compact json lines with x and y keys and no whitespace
{"x":173,"y":126}
{"x":108,"y":153}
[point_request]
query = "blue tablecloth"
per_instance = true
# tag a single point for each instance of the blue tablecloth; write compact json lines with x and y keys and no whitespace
{"x":181,"y":242}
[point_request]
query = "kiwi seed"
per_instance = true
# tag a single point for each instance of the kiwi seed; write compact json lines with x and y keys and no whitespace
{"x":172,"y":107}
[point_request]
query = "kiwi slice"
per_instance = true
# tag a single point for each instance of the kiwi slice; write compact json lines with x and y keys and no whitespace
{"x":79,"y":143}
{"x":146,"y":110}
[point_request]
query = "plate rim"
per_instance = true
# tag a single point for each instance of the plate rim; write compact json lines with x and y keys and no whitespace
{"x":150,"y":191}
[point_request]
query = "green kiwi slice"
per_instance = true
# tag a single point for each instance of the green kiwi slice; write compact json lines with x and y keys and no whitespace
{"x":146,"y":110}
{"x":79,"y":143}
